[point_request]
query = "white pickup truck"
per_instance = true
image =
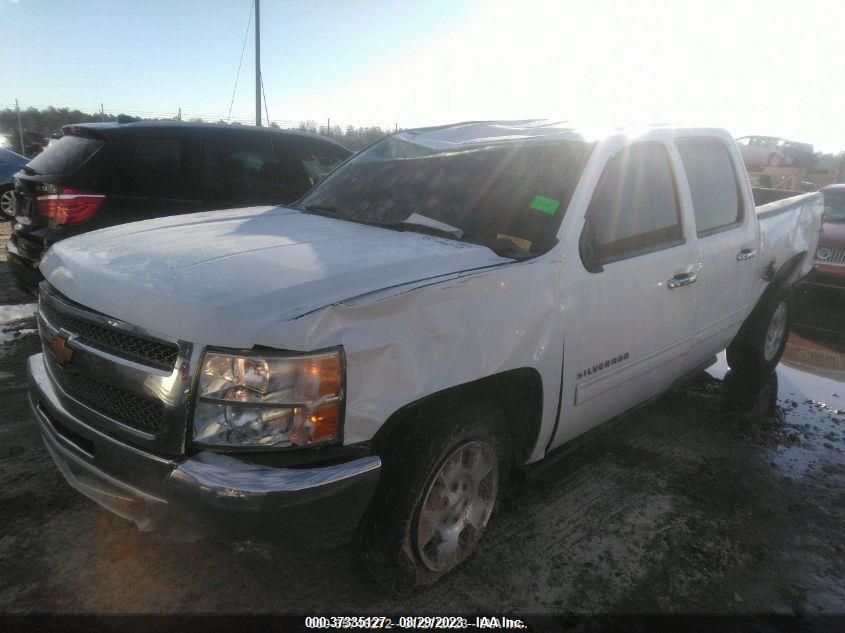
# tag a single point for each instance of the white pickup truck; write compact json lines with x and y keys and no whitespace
{"x":449,"y":304}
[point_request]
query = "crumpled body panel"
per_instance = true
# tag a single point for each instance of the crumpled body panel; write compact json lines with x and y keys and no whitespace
{"x":405,"y":345}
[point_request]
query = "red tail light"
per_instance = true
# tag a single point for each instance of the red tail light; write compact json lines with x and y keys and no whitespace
{"x":70,"y":206}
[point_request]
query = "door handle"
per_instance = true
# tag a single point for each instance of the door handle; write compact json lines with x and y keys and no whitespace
{"x":745,"y":253}
{"x":684,"y":279}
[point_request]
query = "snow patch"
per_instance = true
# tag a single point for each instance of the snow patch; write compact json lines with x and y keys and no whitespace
{"x":9,"y":335}
{"x":17,"y":312}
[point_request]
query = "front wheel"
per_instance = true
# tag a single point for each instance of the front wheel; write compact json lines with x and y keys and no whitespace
{"x":7,"y":203}
{"x":439,"y":485}
{"x":759,"y":345}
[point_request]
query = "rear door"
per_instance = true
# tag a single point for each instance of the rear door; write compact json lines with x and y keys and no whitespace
{"x":150,"y":176}
{"x":251,"y":169}
{"x":727,"y":239}
{"x":629,"y":312}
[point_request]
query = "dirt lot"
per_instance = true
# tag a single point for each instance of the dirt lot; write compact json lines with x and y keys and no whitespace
{"x":719,"y":498}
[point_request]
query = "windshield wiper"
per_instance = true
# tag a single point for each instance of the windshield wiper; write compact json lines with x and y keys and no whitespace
{"x":323,"y":209}
{"x":505,"y":248}
{"x":452,"y":234}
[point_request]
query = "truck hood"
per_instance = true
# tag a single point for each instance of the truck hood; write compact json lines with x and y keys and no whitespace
{"x":222,"y":277}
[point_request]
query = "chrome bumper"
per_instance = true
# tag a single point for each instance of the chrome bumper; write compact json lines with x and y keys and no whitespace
{"x":184,"y":498}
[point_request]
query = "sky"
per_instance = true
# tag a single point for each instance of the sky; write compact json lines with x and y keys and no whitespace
{"x":772,"y":67}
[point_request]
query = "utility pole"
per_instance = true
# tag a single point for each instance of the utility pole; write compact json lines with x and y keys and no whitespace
{"x":102,"y":112}
{"x":20,"y":128}
{"x":257,"y":65}
{"x":180,"y":114}
{"x":328,"y":127}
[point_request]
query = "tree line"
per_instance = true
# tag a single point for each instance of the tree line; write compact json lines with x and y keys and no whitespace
{"x":49,"y":121}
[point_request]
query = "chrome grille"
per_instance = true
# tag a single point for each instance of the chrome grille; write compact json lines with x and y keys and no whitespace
{"x":145,"y":415}
{"x":831,"y":256}
{"x":116,"y":377}
{"x":156,"y":354}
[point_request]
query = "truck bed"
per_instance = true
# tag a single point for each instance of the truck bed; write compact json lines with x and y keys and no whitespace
{"x":789,"y":223}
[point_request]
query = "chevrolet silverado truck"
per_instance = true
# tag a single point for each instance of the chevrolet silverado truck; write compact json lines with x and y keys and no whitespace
{"x":373,"y":361}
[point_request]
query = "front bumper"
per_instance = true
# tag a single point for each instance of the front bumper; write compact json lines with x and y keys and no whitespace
{"x":827,"y":276}
{"x":208,"y":493}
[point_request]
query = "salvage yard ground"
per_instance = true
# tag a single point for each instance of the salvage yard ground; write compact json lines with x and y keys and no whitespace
{"x":719,"y":498}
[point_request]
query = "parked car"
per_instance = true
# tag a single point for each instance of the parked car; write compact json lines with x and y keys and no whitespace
{"x":758,"y":151}
{"x":103,"y":174}
{"x":449,"y":304}
{"x":34,"y":142}
{"x":10,"y":162}
{"x":830,"y":255}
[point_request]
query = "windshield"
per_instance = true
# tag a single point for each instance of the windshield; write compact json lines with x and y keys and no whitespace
{"x":834,"y":208}
{"x":511,"y":191}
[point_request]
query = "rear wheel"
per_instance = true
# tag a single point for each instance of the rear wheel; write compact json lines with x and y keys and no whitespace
{"x":759,"y":345}
{"x":439,"y":485}
{"x":7,"y":202}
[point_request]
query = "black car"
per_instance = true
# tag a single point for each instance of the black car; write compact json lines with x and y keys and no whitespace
{"x":102,"y":174}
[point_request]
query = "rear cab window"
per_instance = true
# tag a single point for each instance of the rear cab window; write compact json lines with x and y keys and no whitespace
{"x":713,"y":183}
{"x":634,"y":209}
{"x":65,"y":155}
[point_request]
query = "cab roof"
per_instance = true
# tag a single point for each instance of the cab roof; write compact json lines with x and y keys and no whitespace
{"x":470,"y":133}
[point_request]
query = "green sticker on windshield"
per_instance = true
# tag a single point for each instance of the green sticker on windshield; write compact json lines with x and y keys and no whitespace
{"x":545,"y":205}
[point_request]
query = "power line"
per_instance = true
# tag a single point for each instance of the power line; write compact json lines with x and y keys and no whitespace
{"x":263,"y":94}
{"x":243,"y":48}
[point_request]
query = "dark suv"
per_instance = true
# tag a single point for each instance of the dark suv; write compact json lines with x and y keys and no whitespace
{"x":98,"y":175}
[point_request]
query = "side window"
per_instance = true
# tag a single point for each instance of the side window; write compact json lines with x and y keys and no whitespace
{"x":248,"y":169}
{"x":713,"y":184}
{"x":161,"y":168}
{"x":319,"y":159}
{"x":634,"y":209}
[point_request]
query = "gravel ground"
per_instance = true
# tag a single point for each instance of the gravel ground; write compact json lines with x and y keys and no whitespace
{"x":719,"y":498}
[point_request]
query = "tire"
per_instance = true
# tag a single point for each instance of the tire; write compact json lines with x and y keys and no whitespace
{"x":7,"y":203}
{"x":775,"y":160}
{"x":759,"y":345}
{"x":400,"y":544}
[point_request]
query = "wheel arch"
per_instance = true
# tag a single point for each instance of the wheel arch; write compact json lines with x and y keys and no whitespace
{"x":519,"y":392}
{"x":784,"y":275}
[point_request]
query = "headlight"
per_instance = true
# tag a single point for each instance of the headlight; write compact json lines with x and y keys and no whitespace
{"x":268,"y":401}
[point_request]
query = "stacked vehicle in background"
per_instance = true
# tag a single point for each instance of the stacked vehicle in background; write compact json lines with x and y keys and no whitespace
{"x":104,"y":174}
{"x":775,"y":152}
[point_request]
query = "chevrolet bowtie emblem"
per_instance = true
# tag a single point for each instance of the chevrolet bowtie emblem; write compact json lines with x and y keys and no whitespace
{"x":61,"y":351}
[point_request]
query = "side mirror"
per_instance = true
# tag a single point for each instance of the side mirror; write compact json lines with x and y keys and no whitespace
{"x":589,"y":248}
